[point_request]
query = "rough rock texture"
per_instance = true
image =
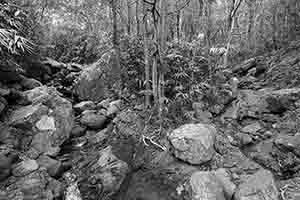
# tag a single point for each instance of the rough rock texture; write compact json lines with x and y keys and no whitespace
{"x":53,"y":166}
{"x":129,"y":123}
{"x":78,"y":130}
{"x":9,"y":71}
{"x":254,"y":104}
{"x":49,"y":119}
{"x":3,"y":104}
{"x":289,"y":143}
{"x":290,"y":189}
{"x":270,"y":156}
{"x":284,"y":67}
{"x":34,"y":186}
{"x":201,"y":114}
{"x":5,"y":166}
{"x":72,"y":191}
{"x":194,"y":143}
{"x":101,"y":173}
{"x":30,"y":83}
{"x":259,"y":186}
{"x":84,"y":105}
{"x":114,"y":107}
{"x":205,"y":186}
{"x":96,"y":80}
{"x":244,"y":66}
{"x":25,"y":167}
{"x":93,"y":119}
{"x":25,"y":117}
{"x":165,"y":183}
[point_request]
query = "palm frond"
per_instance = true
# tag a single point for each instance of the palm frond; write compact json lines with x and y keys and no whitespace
{"x":14,"y":43}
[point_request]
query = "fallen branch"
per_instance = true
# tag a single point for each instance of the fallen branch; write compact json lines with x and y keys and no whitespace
{"x":144,"y":138}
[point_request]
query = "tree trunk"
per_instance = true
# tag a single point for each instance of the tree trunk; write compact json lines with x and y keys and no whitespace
{"x":128,"y":18}
{"x":250,"y":22}
{"x":226,"y":56}
{"x":115,"y":40}
{"x":137,"y":5}
{"x":162,"y":45}
{"x":147,"y":58}
{"x":232,"y":16}
{"x":178,"y":25}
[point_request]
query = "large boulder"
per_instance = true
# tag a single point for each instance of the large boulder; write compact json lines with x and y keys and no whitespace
{"x":259,"y":186}
{"x":194,"y":143}
{"x":30,"y":83}
{"x":163,"y":183}
{"x":206,"y":185}
{"x":27,"y":116}
{"x":34,"y":186}
{"x":284,"y":68}
{"x":53,"y":166}
{"x":49,"y":119}
{"x":254,"y":104}
{"x":278,"y":158}
{"x":5,"y":166}
{"x":96,"y":80}
{"x":100,"y":173}
{"x":289,"y":143}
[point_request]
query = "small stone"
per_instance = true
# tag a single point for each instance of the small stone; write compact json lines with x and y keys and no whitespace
{"x":84,"y":105}
{"x":30,"y":83}
{"x":98,"y":137}
{"x":114,"y":107}
{"x":103,"y":104}
{"x":53,"y":166}
{"x":4,"y":92}
{"x":25,"y":167}
{"x":92,"y":119}
{"x":252,"y":128}
{"x":78,"y":131}
{"x":244,"y":139}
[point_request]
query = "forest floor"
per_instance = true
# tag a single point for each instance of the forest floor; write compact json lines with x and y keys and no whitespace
{"x":244,"y":146}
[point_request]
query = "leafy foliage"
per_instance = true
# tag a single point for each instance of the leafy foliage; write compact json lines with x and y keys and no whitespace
{"x":12,"y":22}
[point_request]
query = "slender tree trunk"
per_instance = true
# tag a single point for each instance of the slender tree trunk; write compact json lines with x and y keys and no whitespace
{"x":128,"y":18}
{"x":115,"y":40}
{"x":154,"y":78}
{"x":232,"y":16}
{"x":250,"y":22}
{"x":162,"y":44}
{"x":147,"y":58}
{"x":155,"y":57}
{"x":226,"y":56}
{"x":137,"y":18}
{"x":178,"y":25}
